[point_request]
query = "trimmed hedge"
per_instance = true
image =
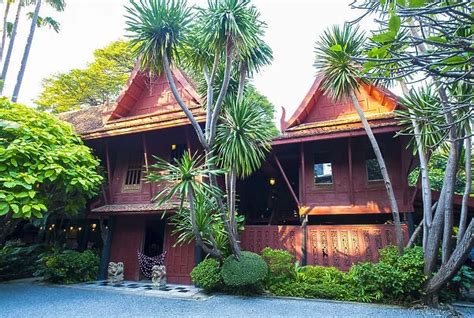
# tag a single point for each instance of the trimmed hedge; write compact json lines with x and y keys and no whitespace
{"x":249,"y":271}
{"x":207,"y":275}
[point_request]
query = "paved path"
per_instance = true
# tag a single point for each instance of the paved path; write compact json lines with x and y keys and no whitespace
{"x":23,"y":299}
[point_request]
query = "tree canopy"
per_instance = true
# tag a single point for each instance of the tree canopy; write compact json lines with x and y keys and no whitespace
{"x":98,"y":83}
{"x":44,"y":166}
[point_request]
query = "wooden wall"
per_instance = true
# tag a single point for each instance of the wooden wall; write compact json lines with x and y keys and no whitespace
{"x":157,"y":144}
{"x":354,"y":194}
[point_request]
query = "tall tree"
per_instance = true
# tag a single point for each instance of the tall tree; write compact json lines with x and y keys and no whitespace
{"x":44,"y":167}
{"x":6,"y":63}
{"x":430,"y":41}
{"x":4,"y":27}
{"x":342,"y":79}
{"x":99,"y":82}
{"x":58,"y":5}
{"x":224,"y":32}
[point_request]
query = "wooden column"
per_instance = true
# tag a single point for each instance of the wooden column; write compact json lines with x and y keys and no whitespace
{"x":109,"y":170}
{"x":105,"y":256}
{"x":288,"y":184}
{"x":349,"y":158}
{"x":145,"y":156}
{"x":303,"y":177}
{"x":304,"y":219}
{"x":145,"y":151}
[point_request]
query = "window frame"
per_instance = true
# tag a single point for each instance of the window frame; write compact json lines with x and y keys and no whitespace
{"x":367,"y":171}
{"x":134,"y":166}
{"x":323,"y":159}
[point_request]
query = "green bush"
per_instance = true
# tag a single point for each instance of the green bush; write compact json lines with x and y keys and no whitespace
{"x":280,"y":265}
{"x":245,"y":274}
{"x":69,"y":267}
{"x":459,"y":285}
{"x":321,"y":274}
{"x":207,"y":275}
{"x":394,"y":277}
{"x":17,"y":259}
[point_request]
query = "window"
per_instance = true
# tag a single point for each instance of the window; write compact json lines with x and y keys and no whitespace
{"x":177,"y":151}
{"x":133,"y":177}
{"x":373,"y":170}
{"x":323,"y":173}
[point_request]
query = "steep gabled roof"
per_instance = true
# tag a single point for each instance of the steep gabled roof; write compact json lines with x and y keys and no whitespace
{"x":319,"y":115}
{"x":144,"y":104}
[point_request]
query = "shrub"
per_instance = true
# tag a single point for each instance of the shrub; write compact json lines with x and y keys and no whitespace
{"x":69,"y":267}
{"x":321,"y":274}
{"x":280,"y":265}
{"x":207,"y":275}
{"x":459,"y":285}
{"x":395,"y":278}
{"x":17,"y":259}
{"x":247,"y":273}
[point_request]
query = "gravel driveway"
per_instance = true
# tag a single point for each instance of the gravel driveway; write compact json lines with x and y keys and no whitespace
{"x":24,"y":299}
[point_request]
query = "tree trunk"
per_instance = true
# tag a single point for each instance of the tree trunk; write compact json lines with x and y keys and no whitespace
{"x":467,"y":190}
{"x":384,"y":171}
{"x":187,"y":112}
{"x":450,"y":175}
{"x":425,"y":181}
{"x":449,"y":269}
{"x":242,"y":76}
{"x":4,"y":32}
{"x":216,"y":112}
{"x":6,"y":63}
{"x":26,"y":53}
{"x":214,"y":251}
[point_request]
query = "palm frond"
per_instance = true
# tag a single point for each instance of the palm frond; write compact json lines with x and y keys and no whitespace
{"x":334,"y":60}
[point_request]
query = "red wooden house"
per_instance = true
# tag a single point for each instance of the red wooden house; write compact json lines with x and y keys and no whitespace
{"x":321,"y":171}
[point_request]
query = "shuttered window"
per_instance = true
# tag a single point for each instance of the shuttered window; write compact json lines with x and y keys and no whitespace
{"x":133,"y":177}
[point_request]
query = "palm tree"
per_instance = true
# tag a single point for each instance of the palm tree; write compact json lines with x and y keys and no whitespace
{"x":243,"y":140}
{"x":36,"y":21}
{"x":160,"y":28}
{"x":334,"y":60}
{"x":183,"y":182}
{"x":6,"y":63}
{"x":4,"y":26}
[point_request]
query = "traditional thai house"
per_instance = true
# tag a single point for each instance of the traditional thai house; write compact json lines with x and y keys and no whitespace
{"x":319,"y":194}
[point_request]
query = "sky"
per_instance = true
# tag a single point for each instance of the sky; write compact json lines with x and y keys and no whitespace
{"x":293,"y":26}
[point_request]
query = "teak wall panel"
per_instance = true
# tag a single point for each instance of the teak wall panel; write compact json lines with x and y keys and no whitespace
{"x":158,"y":144}
{"x":179,"y":259}
{"x":368,"y":196}
{"x":128,"y":238}
{"x":256,"y":237}
{"x":342,"y":246}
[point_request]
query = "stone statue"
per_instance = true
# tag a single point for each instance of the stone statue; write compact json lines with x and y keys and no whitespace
{"x":158,"y":275}
{"x":115,"y":272}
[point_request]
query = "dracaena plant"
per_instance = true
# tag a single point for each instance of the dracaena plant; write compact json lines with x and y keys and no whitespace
{"x":184,"y":182}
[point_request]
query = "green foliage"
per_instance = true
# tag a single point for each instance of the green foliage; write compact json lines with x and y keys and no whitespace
{"x":207,"y":275}
{"x":321,"y":274}
{"x":437,"y":169}
{"x":459,"y":285}
{"x":280,"y":265}
{"x":185,"y":177}
{"x":208,"y":221}
{"x":157,"y":29}
{"x":44,"y":166}
{"x":394,"y":277}
{"x":100,"y":82}
{"x":18,"y":260}
{"x":248,"y":272}
{"x":69,"y":267}
{"x":334,"y":60}
{"x":244,"y":136}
